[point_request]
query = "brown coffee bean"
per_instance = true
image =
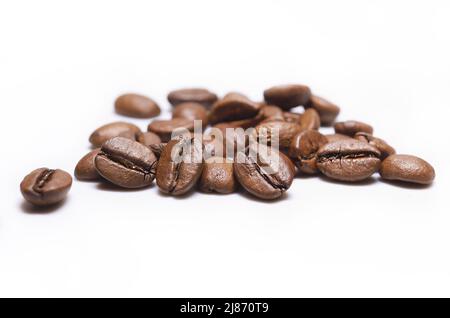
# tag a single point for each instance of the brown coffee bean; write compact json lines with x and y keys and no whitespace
{"x":287,"y":96}
{"x":165,"y":128}
{"x":336,"y":137}
{"x":233,"y":106}
{"x":139,"y":106}
{"x":271,"y":113}
{"x":44,"y":187}
{"x":348,"y":160}
{"x":303,"y":150}
{"x":85,"y":168}
{"x":149,"y":138}
{"x":193,"y":111}
{"x":407,"y":168}
{"x":157,"y":148}
{"x":126,"y":163}
{"x":270,"y":131}
{"x":197,"y":95}
{"x":180,"y":166}
{"x":351,"y":127}
{"x":217,"y":176}
{"x":266,"y":173}
{"x":378,"y":143}
{"x":291,"y":117}
{"x":108,"y":131}
{"x":309,"y":119}
{"x":327,"y":110}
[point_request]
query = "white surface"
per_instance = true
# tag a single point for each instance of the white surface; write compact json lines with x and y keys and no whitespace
{"x":61,"y":67}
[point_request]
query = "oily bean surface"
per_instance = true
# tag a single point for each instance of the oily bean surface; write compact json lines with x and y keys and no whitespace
{"x":232,"y":107}
{"x":138,"y":106}
{"x":384,"y":148}
{"x":287,"y":96}
{"x":165,"y":128}
{"x":309,"y":119}
{"x":351,"y":127}
{"x":284,"y":131}
{"x":196,"y":95}
{"x":407,"y":168}
{"x":85,"y":168}
{"x":327,"y":110}
{"x":303,"y":150}
{"x":218,"y":176}
{"x":111,"y":130}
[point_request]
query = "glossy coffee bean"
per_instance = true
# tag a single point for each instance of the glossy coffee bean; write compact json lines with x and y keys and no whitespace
{"x":108,"y":131}
{"x":348,"y":160}
{"x":287,"y":96}
{"x":284,"y":131}
{"x":217,"y":176}
{"x":266,"y":175}
{"x":327,"y":110}
{"x":85,"y":168}
{"x":384,"y":148}
{"x":196,"y":95}
{"x":192,"y":111}
{"x":292,"y":117}
{"x":309,"y":119}
{"x":180,"y":166}
{"x":134,"y":105}
{"x":126,"y":163}
{"x":233,"y":106}
{"x":351,"y":127}
{"x":336,"y":137}
{"x":165,"y":128}
{"x":44,"y":187}
{"x":303,"y":150}
{"x":157,"y":148}
{"x":149,"y":138}
{"x":271,"y":113}
{"x":407,"y":168}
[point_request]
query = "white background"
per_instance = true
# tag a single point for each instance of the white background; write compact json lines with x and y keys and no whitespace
{"x":63,"y":63}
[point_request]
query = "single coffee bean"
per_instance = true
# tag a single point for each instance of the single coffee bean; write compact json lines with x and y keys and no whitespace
{"x":217,"y":176}
{"x":108,"y":131}
{"x":348,"y":160}
{"x":351,"y":127}
{"x":270,"y":131}
{"x":309,"y":119}
{"x":197,"y":95}
{"x":193,"y":111}
{"x":292,"y":117}
{"x":85,"y":168}
{"x":157,"y":148}
{"x":165,"y":128}
{"x":287,"y":96}
{"x":180,"y":166}
{"x":407,"y":168}
{"x":233,"y":106}
{"x":271,"y":113}
{"x":378,"y":143}
{"x":303,"y":150}
{"x":139,"y":106}
{"x":327,"y":110}
{"x":149,"y":138}
{"x":126,"y":163}
{"x":266,"y":173}
{"x":336,"y":137}
{"x":44,"y":187}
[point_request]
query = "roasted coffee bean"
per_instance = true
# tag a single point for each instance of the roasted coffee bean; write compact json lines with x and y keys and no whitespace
{"x":44,"y":187}
{"x":336,"y":137}
{"x":378,"y":143}
{"x":193,"y":111}
{"x":327,"y":110}
{"x":407,"y":168}
{"x":126,"y":163}
{"x":270,"y":131}
{"x":180,"y":166}
{"x":287,"y":96}
{"x":351,"y":127}
{"x":85,"y":168}
{"x":217,"y":176}
{"x":291,"y":117}
{"x":149,"y":138}
{"x":197,"y":95}
{"x":233,"y":106}
{"x":271,"y":113}
{"x":303,"y":150}
{"x":108,"y":131}
{"x":158,"y":148}
{"x":165,"y":128}
{"x":348,"y":160}
{"x":139,"y":106}
{"x":266,"y":173}
{"x":129,"y":135}
{"x":309,"y":119}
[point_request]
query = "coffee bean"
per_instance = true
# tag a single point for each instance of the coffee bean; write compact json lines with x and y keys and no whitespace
{"x":233,"y":106}
{"x":309,"y":119}
{"x":149,"y":138}
{"x":327,"y":110}
{"x":378,"y":143}
{"x":126,"y":163}
{"x":217,"y":176}
{"x":407,"y":168}
{"x":139,"y":106}
{"x":291,"y":117}
{"x":270,"y":131}
{"x":271,"y":113}
{"x":108,"y":131}
{"x":266,"y":173}
{"x":165,"y":128}
{"x":351,"y":127}
{"x":193,"y":111}
{"x":180,"y":166}
{"x":157,"y":148}
{"x":85,"y":168}
{"x":336,"y":137}
{"x":197,"y":95}
{"x":303,"y":150}
{"x":287,"y":96}
{"x":348,"y":160}
{"x":44,"y":187}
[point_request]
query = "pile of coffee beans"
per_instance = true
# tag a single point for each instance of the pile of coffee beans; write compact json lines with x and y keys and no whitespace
{"x":182,"y":158}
